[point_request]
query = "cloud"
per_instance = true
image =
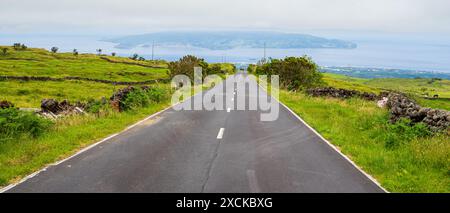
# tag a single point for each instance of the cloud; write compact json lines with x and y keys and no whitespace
{"x":288,"y":15}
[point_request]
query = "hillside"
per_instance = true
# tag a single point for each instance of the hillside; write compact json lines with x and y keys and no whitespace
{"x":40,"y":62}
{"x":43,"y":63}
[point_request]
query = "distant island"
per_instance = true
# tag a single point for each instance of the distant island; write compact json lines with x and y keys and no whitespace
{"x":225,"y":40}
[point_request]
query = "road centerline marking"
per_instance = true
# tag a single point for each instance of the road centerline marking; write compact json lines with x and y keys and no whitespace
{"x":220,"y":134}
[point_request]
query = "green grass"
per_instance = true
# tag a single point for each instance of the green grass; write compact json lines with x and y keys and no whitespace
{"x":359,"y":128}
{"x":415,"y":87}
{"x":39,"y":62}
{"x":28,"y":94}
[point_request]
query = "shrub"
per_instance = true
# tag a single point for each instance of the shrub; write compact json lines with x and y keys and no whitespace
{"x":185,"y":66}
{"x":214,"y":69}
{"x":135,"y":99}
{"x":251,"y":68}
{"x":156,"y":94}
{"x":54,"y":49}
{"x":134,"y":57}
{"x":295,"y":72}
{"x":404,"y":131}
{"x":15,"y":123}
{"x":94,"y":106}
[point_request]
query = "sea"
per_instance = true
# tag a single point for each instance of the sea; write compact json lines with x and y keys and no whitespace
{"x":416,"y":53}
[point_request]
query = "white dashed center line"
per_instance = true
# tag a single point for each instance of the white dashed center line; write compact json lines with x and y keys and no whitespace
{"x":220,"y":135}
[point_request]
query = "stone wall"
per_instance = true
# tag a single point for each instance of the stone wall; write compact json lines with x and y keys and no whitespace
{"x":399,"y":105}
{"x":45,"y":78}
{"x":341,"y":93}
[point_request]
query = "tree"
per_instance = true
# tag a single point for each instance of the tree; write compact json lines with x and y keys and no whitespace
{"x":134,"y":56}
{"x":4,"y":50}
{"x":16,"y":46}
{"x":294,"y":72}
{"x":75,"y":52}
{"x":214,"y":69}
{"x":99,"y":51}
{"x":113,"y":54}
{"x":185,"y":66}
{"x":19,"y":46}
{"x":54,"y":49}
{"x":141,"y":58}
{"x":251,"y":68}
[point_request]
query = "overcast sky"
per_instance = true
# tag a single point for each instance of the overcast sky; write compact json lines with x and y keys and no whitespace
{"x":140,"y":16}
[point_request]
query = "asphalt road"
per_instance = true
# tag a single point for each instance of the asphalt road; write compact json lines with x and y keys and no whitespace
{"x":207,"y":151}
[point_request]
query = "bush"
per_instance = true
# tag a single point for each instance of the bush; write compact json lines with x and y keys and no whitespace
{"x":135,"y":99}
{"x":214,"y":69}
{"x":251,"y":68}
{"x":54,"y":49}
{"x":15,"y":123}
{"x":185,"y":66}
{"x":94,"y":106}
{"x":156,"y":94}
{"x":295,"y":72}
{"x":404,"y":131}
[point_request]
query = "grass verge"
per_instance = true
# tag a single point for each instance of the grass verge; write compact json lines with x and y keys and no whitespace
{"x":360,"y":129}
{"x":19,"y":158}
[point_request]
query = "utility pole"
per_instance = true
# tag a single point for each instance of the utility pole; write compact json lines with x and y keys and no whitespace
{"x":264,"y":52}
{"x":153,"y":49}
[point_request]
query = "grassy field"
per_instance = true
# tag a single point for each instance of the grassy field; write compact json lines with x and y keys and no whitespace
{"x":415,"y":87}
{"x":28,"y":94}
{"x":40,"y":62}
{"x":360,"y":129}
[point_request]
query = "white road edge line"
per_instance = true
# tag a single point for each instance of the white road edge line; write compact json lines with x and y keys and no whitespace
{"x":329,"y":143}
{"x":10,"y":186}
{"x":220,"y":134}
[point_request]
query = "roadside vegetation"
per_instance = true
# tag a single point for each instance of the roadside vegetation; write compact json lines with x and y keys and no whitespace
{"x":186,"y":64}
{"x":29,"y":141}
{"x":422,"y":90}
{"x":402,"y":156}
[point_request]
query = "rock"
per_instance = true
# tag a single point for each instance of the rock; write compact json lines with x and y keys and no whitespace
{"x":401,"y":106}
{"x":118,"y":96}
{"x":382,"y":103}
{"x":53,"y":108}
{"x":50,"y":105}
{"x":6,"y":104}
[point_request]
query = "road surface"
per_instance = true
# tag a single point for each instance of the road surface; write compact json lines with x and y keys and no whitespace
{"x":207,"y":151}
